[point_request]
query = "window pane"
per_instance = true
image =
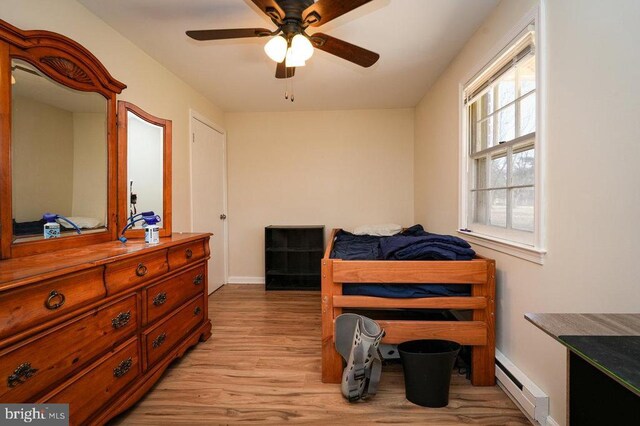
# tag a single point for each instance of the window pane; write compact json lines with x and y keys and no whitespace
{"x":486,"y":104}
{"x":506,"y":124}
{"x":522,"y":202}
{"x":481,"y":173}
{"x":498,"y":208}
{"x":499,"y":171}
{"x":523,"y":167}
{"x":506,"y":88}
{"x":485,"y":135}
{"x":528,"y":114}
{"x":527,"y":75}
{"x":479,"y":214}
{"x":472,"y":111}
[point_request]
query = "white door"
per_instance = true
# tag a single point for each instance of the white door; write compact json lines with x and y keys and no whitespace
{"x":208,"y":194}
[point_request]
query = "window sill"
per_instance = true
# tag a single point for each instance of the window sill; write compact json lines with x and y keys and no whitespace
{"x":511,"y":248}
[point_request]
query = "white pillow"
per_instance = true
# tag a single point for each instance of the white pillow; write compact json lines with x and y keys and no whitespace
{"x":383,"y":230}
{"x":82,"y":222}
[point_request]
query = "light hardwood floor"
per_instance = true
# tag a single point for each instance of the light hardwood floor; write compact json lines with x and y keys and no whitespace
{"x":262,"y":366}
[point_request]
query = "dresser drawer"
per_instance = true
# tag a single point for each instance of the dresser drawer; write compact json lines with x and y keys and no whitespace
{"x":34,"y":365}
{"x":167,"y":295}
{"x":35,"y":304}
{"x":159,"y":339}
{"x":186,"y":253}
{"x":128,"y":273}
{"x":100,"y":383}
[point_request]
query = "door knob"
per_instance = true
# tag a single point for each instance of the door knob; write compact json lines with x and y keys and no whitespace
{"x":223,"y":216}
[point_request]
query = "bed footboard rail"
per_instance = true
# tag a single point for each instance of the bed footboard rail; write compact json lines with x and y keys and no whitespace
{"x":411,"y":271}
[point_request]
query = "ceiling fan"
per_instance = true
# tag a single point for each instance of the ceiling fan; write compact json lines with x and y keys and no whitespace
{"x":290,"y":46}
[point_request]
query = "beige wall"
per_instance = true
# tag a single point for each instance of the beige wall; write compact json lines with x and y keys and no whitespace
{"x":59,"y":162}
{"x":150,"y":86}
{"x":89,"y":165}
{"x":42,"y":154}
{"x":331,"y":168}
{"x":591,"y":172}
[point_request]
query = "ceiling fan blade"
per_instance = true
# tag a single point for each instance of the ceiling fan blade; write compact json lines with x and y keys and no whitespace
{"x":342,"y":49}
{"x":270,"y":8}
{"x":203,"y":35}
{"x":323,"y":11}
{"x":283,"y":72}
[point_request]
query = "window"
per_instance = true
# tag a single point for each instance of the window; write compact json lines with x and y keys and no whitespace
{"x":499,"y":194}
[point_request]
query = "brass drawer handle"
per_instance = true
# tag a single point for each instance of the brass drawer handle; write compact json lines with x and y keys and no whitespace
{"x":158,"y":341}
{"x":54,"y":295}
{"x":188,"y":253}
{"x":197,"y":280}
{"x":123,"y":368}
{"x":121,"y":320}
{"x":160,"y":299}
{"x":197,"y":311}
{"x":141,"y":270}
{"x":21,"y":374}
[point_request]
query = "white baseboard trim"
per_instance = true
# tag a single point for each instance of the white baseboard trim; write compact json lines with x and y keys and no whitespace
{"x":551,"y":422}
{"x":245,"y":280}
{"x":529,"y":397}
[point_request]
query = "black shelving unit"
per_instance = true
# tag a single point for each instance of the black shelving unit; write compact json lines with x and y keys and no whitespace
{"x":292,"y":257}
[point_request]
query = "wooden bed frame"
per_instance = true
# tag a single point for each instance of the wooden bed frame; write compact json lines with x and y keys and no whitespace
{"x":479,"y":332}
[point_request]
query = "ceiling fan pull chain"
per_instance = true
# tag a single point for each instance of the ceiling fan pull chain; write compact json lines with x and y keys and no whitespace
{"x":286,"y":89}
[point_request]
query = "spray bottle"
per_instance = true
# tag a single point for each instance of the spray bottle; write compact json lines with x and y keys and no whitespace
{"x":52,"y":227}
{"x":151,"y":228}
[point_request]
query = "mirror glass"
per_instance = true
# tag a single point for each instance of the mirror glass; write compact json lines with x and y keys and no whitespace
{"x":145,"y":146}
{"x":59,"y":155}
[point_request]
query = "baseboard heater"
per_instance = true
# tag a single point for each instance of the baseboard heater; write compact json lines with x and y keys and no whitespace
{"x":529,"y":397}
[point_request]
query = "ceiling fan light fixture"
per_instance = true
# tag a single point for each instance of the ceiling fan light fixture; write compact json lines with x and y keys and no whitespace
{"x":276,"y":48}
{"x":294,"y":59}
{"x":302,"y":46}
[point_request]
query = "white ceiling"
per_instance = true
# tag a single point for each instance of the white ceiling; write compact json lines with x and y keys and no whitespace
{"x":416,"y":39}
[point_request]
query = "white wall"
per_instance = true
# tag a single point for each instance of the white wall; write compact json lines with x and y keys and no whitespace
{"x":331,"y":168}
{"x":592,"y":177}
{"x":150,"y":86}
{"x":145,"y":165}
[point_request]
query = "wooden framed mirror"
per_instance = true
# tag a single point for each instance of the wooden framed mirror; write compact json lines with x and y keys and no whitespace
{"x":144,"y":175}
{"x":58,"y":147}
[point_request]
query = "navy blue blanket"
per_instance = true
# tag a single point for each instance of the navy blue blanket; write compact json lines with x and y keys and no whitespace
{"x":412,"y":244}
{"x":407,"y":291}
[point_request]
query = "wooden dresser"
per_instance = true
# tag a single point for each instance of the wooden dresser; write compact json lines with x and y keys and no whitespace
{"x":96,"y":326}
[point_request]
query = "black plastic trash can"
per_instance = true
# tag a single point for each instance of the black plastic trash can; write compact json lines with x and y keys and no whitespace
{"x":428,"y":365}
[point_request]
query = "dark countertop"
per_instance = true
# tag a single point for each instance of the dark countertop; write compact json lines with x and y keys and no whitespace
{"x":609,"y":342}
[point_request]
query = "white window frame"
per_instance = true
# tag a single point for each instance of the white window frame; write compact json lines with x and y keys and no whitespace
{"x":533,"y":250}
